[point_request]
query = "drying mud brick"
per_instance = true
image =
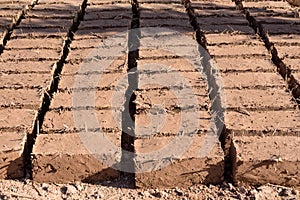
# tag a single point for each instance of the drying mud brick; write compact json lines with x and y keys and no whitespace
{"x":182,"y":171}
{"x":271,"y":159}
{"x":38,"y":67}
{"x":62,"y":158}
{"x":11,"y":149}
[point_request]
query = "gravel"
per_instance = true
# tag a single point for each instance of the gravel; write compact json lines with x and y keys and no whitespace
{"x":28,"y":189}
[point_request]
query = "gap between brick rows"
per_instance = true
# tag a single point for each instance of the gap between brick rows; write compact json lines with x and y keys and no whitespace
{"x":285,"y":71}
{"x":15,"y":22}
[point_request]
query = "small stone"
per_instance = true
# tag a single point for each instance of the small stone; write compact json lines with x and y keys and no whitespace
{"x":64,"y":190}
{"x":295,"y":192}
{"x":78,"y":186}
{"x":178,"y":192}
{"x":45,"y":186}
{"x":97,"y":195}
{"x":242,"y":190}
{"x":156,"y":194}
{"x":140,"y":194}
{"x":71,"y":189}
{"x":146,"y":194}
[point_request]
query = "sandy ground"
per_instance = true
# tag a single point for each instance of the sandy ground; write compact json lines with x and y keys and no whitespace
{"x":27,"y":189}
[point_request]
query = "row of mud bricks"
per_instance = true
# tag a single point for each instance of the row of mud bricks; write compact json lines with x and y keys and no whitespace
{"x":74,"y":107}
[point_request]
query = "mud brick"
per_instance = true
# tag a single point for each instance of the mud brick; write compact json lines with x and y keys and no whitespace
{"x":104,"y":24}
{"x":160,"y":80}
{"x":64,"y":121}
{"x":251,"y":79}
{"x":5,"y":22}
{"x":25,"y":80}
{"x":19,"y":119}
{"x":238,"y":50}
{"x":106,"y":81}
{"x":62,"y":158}
{"x":11,"y":157}
{"x":91,"y":44}
{"x":73,"y":4}
{"x":90,"y":67}
{"x":288,"y":51}
{"x":240,"y":29}
{"x":163,"y":12}
{"x":107,"y":7}
{"x":51,"y":12}
{"x":223,"y":38}
{"x":99,"y":33}
{"x":172,"y":24}
{"x":282,"y":28}
{"x":215,"y":12}
{"x":269,"y":98}
{"x":42,"y":33}
{"x":258,"y":122}
{"x":9,"y":13}
{"x":172,"y":98}
{"x":255,"y":12}
{"x":103,"y":98}
{"x":267,"y":4}
{"x":11,"y":6}
{"x":161,"y":2}
{"x":26,"y":66}
{"x":33,"y":54}
{"x":164,"y":124}
{"x":285,"y":39}
{"x":271,"y":159}
{"x":161,"y":7}
{"x":104,"y":2}
{"x":180,"y":171}
{"x":278,"y":20}
{"x":45,"y":23}
{"x":244,"y":64}
{"x":293,"y":63}
{"x":21,"y":97}
{"x":238,"y":20}
{"x":100,"y":52}
{"x":96,"y":13}
{"x":53,"y":43}
{"x":172,"y":52}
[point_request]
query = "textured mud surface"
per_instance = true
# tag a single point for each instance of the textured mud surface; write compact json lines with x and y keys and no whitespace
{"x":254,"y":45}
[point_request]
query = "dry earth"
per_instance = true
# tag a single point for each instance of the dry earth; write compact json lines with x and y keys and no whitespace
{"x":115,"y":190}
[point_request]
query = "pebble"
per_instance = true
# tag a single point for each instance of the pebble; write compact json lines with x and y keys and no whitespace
{"x":71,"y":189}
{"x":45,"y":186}
{"x":64,"y":189}
{"x":78,"y":186}
{"x":178,"y":192}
